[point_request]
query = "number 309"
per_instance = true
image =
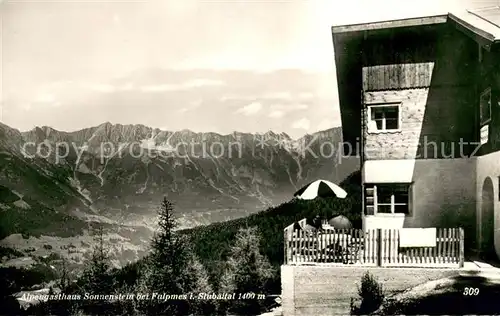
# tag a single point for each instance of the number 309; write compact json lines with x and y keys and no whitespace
{"x":471,"y":291}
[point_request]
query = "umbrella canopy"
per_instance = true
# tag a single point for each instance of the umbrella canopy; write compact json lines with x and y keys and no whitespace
{"x":321,"y":188}
{"x":340,"y":222}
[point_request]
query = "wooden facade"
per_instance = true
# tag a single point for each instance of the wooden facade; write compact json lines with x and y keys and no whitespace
{"x":438,"y":57}
{"x":398,"y":76}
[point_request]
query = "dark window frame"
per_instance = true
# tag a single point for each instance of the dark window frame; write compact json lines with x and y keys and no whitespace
{"x":392,"y":193}
{"x":381,"y":123}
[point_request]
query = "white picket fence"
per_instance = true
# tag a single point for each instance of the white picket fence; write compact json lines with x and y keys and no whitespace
{"x":378,"y":247}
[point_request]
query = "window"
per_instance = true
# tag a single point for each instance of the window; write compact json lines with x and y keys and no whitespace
{"x":485,"y":107}
{"x":389,"y":198}
{"x":383,"y":117}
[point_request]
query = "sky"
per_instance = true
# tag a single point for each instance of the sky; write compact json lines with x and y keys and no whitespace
{"x":207,"y":65}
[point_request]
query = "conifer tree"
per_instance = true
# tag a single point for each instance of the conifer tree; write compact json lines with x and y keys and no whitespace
{"x":247,"y":271}
{"x":64,"y":280}
{"x":172,"y":269}
{"x":96,"y":275}
{"x":96,"y":278}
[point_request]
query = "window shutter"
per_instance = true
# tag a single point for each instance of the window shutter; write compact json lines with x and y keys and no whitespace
{"x":370,"y":199}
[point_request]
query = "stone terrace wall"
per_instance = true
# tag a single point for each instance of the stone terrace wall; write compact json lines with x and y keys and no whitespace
{"x":316,"y":290}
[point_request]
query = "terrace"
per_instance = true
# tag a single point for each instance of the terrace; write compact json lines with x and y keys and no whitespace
{"x":407,"y":247}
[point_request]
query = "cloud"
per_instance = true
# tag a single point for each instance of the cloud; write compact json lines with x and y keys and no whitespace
{"x":278,"y":95}
{"x":160,"y":88}
{"x":191,"y":84}
{"x":250,"y":109}
{"x":127,"y":86}
{"x":203,"y":83}
{"x":63,"y":90}
{"x":231,"y":97}
{"x":116,"y":19}
{"x":302,"y":124}
{"x":45,"y":98}
{"x":193,"y":105}
{"x":325,"y":124}
{"x":106,"y":88}
{"x":196,"y":104}
{"x":276,"y":114}
{"x":280,"y":110}
{"x":289,"y":107}
{"x":306,"y":95}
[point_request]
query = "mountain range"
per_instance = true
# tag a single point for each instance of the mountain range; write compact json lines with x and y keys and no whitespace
{"x":58,"y":184}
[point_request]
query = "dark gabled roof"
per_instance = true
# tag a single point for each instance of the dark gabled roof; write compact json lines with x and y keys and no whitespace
{"x":390,"y":24}
{"x":483,"y":23}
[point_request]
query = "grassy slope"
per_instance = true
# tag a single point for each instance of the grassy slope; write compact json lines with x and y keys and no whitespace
{"x":446,"y":297}
{"x":212,"y":242}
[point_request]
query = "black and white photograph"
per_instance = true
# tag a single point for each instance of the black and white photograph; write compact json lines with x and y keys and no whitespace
{"x":249,"y":157}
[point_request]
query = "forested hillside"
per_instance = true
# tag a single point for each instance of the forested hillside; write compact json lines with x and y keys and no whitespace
{"x":207,"y":259}
{"x":212,"y":242}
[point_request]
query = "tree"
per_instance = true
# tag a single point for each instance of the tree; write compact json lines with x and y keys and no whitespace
{"x":96,"y":277}
{"x":64,"y":279}
{"x":247,"y":271}
{"x":371,"y":294}
{"x":171,"y":269}
{"x":197,"y":281}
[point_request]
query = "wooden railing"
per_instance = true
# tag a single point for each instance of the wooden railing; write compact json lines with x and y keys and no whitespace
{"x":378,"y":247}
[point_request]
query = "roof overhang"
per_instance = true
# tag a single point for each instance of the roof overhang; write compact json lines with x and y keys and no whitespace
{"x":484,"y":38}
{"x":438,"y":19}
{"x":481,"y":31}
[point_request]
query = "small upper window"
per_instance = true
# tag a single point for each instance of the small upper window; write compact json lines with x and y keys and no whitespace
{"x":485,"y":106}
{"x":383,"y":117}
